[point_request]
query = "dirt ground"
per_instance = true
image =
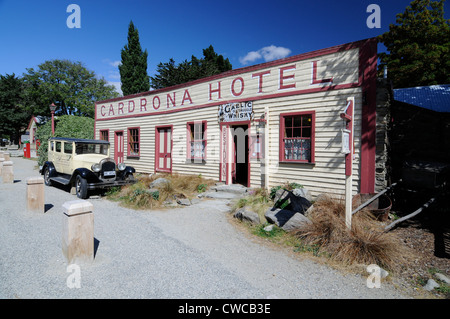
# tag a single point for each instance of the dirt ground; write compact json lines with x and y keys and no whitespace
{"x":425,"y":263}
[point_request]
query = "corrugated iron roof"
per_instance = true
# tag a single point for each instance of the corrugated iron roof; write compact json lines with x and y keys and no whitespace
{"x":433,"y":97}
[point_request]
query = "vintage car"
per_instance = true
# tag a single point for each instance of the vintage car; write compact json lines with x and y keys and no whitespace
{"x":84,"y":165}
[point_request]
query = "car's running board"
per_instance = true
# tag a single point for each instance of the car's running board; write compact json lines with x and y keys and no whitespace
{"x":60,"y":180}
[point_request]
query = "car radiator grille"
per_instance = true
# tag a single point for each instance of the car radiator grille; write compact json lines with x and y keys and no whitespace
{"x":108,"y":167}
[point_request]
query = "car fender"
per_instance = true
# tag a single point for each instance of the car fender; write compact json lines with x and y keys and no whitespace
{"x":51,"y":169}
{"x":129,"y":170}
{"x":86,"y":174}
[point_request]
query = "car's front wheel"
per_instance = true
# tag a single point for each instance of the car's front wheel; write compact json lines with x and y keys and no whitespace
{"x":81,"y":187}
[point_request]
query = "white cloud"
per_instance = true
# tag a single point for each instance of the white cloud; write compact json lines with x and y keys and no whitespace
{"x":115,"y":63}
{"x":268,"y":53}
{"x":250,"y":57}
{"x":117,"y":85}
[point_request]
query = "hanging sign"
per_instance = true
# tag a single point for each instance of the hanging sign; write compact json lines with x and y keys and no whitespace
{"x":234,"y":112}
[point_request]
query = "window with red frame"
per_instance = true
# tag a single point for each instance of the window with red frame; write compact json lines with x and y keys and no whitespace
{"x":133,"y":142}
{"x":297,"y":137}
{"x":104,"y":135}
{"x":196,"y":140}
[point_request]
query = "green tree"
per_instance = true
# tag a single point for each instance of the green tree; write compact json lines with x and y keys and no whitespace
{"x":69,"y":85}
{"x":418,"y":45}
{"x":169,"y":74}
{"x":13,"y":115}
{"x":65,"y":126}
{"x":133,"y":69}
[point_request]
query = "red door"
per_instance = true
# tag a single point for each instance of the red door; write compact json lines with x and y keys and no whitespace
{"x":118,"y":147}
{"x":163,"y":149}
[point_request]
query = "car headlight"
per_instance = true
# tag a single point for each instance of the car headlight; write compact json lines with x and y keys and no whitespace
{"x":121,"y":166}
{"x":96,"y":167}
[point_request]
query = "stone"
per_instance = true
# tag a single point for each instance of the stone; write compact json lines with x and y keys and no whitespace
{"x":247,"y":215}
{"x":170,"y":203}
{"x":431,"y":284}
{"x":269,"y":228}
{"x":159,"y":182}
{"x":302,"y":192}
{"x":286,"y":219}
{"x":183,"y":201}
{"x":233,"y":188}
{"x":220,"y":195}
{"x":296,"y":222}
{"x":298,"y":203}
{"x":280,"y":196}
{"x":295,"y":200}
{"x":443,"y":278}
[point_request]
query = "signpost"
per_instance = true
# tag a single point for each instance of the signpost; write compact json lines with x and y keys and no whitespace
{"x":347,"y":149}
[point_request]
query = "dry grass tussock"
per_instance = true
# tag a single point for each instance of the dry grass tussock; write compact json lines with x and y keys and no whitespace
{"x":140,"y":196}
{"x":366,"y":242}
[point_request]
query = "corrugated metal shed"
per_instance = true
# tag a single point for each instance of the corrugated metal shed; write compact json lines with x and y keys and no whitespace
{"x":434,"y":97}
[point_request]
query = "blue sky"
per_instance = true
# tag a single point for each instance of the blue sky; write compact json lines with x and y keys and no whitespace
{"x":246,"y":32}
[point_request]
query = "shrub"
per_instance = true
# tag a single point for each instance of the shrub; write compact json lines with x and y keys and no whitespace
{"x":365,"y":243}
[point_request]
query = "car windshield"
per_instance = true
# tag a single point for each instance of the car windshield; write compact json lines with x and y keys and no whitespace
{"x":92,"y":149}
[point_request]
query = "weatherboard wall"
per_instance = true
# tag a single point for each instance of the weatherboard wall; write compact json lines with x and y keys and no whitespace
{"x":319,"y":81}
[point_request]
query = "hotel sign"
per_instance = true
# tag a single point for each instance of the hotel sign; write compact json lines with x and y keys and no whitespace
{"x":234,"y":112}
{"x":232,"y":91}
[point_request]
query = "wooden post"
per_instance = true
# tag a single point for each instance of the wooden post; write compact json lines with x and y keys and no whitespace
{"x":1,"y":164}
{"x":78,"y":231}
{"x":7,"y":172}
{"x":35,"y":194}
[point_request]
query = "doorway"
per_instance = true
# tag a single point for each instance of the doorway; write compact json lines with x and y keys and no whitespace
{"x":240,"y":168}
{"x":163,"y":152}
{"x":118,"y":147}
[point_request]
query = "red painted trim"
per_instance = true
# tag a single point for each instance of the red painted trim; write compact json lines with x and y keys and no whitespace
{"x":115,"y":145}
{"x":128,"y":141}
{"x":281,"y":135}
{"x":221,"y":162}
{"x":283,"y":77}
{"x":257,"y":98}
{"x":368,"y":77}
{"x":100,"y":134}
{"x":157,"y":169}
{"x":314,"y":80}
{"x":248,"y":123}
{"x":349,"y":126}
{"x":188,"y":139}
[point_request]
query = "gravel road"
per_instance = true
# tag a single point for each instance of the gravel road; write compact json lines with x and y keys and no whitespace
{"x":191,"y":252}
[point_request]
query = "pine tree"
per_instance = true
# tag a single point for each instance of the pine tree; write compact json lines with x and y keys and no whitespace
{"x":133,"y":69}
{"x":168,"y":74}
{"x":418,"y":45}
